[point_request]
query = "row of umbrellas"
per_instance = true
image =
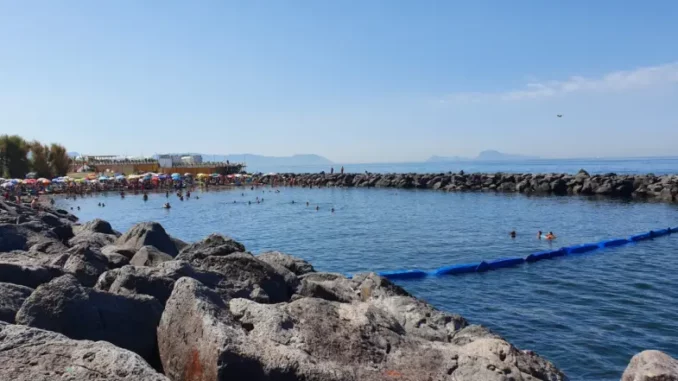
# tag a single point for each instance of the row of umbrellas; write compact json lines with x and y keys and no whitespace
{"x":93,"y":178}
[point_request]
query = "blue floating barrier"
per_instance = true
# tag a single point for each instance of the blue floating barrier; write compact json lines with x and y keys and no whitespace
{"x":660,"y":232}
{"x":544,"y":255}
{"x":640,"y":237}
{"x":580,"y":249}
{"x":403,"y":274}
{"x":674,"y":230}
{"x":614,"y":242}
{"x":504,"y":262}
{"x":482,"y":267}
{"x":456,"y":269}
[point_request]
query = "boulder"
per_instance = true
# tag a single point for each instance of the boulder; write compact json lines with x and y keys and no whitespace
{"x":249,"y":277}
{"x":651,"y":366}
{"x":148,"y":234}
{"x":30,"y":274}
{"x":64,"y":306}
{"x":12,"y":296}
{"x":158,"y":281}
{"x":31,"y":354}
{"x":96,"y":226}
{"x":92,"y":239}
{"x":113,"y":249}
{"x":313,"y":339}
{"x":213,"y":245}
{"x":149,"y":256}
{"x":296,"y":265}
{"x":86,"y":264}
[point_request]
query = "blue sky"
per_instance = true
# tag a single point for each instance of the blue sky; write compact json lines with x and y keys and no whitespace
{"x":355,"y":81}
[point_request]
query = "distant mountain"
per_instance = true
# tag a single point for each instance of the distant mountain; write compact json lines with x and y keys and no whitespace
{"x":500,"y":156}
{"x":267,"y":161}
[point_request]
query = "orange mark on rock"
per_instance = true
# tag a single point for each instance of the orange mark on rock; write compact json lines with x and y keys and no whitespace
{"x":194,"y":367}
{"x":393,"y":373}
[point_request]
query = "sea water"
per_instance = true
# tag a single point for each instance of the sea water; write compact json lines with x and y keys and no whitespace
{"x":589,"y":314}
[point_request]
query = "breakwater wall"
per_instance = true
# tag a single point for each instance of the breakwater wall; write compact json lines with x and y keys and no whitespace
{"x":500,"y":263}
{"x":663,"y":188}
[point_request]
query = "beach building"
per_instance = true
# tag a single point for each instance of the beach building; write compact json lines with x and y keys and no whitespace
{"x":165,"y":163}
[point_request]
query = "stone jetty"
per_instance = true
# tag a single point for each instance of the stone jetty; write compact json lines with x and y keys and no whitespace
{"x":86,"y":302}
{"x":664,"y":187}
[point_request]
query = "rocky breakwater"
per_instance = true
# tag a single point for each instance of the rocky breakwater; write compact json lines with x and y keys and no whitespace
{"x":664,"y":188}
{"x":84,"y":302}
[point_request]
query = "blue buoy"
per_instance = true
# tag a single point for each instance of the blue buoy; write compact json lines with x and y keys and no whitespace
{"x":505,"y":262}
{"x":403,"y":274}
{"x":614,"y":242}
{"x":580,"y":249}
{"x":456,"y":269}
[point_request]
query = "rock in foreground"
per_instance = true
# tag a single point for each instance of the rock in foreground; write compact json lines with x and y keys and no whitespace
{"x":651,"y":366}
{"x":30,"y":354}
{"x":317,"y":340}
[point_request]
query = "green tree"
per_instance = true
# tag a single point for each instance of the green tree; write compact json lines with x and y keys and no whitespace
{"x":40,"y":160}
{"x":59,"y":160}
{"x":14,"y":161}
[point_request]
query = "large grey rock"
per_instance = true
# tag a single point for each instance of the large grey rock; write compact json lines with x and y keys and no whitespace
{"x":159,"y":281}
{"x":22,"y":237}
{"x":249,"y":277}
{"x":12,"y":296}
{"x":64,"y":306}
{"x":316,"y":340}
{"x":96,"y":226}
{"x":148,"y":234}
{"x":31,"y":354}
{"x":296,"y":265}
{"x":92,"y":239}
{"x":651,"y":366}
{"x":86,"y":264}
{"x":27,"y":274}
{"x":149,"y":256}
{"x":213,"y":245}
{"x":113,"y":249}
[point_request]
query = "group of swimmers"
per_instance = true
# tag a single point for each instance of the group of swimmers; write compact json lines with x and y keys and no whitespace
{"x":550,"y":236}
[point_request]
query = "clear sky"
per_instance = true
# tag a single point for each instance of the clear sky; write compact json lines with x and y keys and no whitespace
{"x":355,"y":81}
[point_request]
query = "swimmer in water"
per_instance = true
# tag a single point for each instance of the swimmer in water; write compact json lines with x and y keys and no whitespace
{"x":262,"y":199}
{"x":234,"y":201}
{"x":167,"y":205}
{"x":292,"y":201}
{"x":197,"y":197}
{"x":181,"y":198}
{"x":317,"y":208}
{"x":306,"y":203}
{"x":167,"y":194}
{"x":242,"y":194}
{"x":99,"y":204}
{"x":103,"y":205}
{"x":188,"y":194}
{"x":539,"y":235}
{"x":332,"y":210}
{"x":513,"y":234}
{"x":550,"y":236}
{"x":249,"y":202}
{"x":78,"y":208}
{"x":145,"y":197}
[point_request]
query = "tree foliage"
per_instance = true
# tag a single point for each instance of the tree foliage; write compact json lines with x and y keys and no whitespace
{"x":46,"y":161}
{"x":59,"y":160}
{"x":14,"y":161}
{"x":39,"y":160}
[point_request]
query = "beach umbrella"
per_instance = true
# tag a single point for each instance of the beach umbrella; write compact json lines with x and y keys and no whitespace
{"x":30,"y":181}
{"x":188,"y":174}
{"x":103,"y":178}
{"x":7,"y":185}
{"x":46,"y":182}
{"x":120,"y":177}
{"x":162,"y":176}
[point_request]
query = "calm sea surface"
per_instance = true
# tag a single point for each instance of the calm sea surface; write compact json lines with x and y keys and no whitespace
{"x":588,"y":313}
{"x":656,"y":165}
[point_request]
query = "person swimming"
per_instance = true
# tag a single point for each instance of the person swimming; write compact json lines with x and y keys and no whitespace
{"x":99,"y":204}
{"x":306,"y":203}
{"x":513,"y":234}
{"x":145,"y":197}
{"x":167,"y":205}
{"x":539,"y":234}
{"x":550,"y":236}
{"x":317,"y":208}
{"x":103,"y":205}
{"x":249,"y":202}
{"x":78,"y":208}
{"x":167,"y":194}
{"x":332,"y":210}
{"x":292,"y":201}
{"x":181,"y":198}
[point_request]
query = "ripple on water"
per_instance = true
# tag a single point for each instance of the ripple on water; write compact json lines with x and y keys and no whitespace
{"x":587,"y":313}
